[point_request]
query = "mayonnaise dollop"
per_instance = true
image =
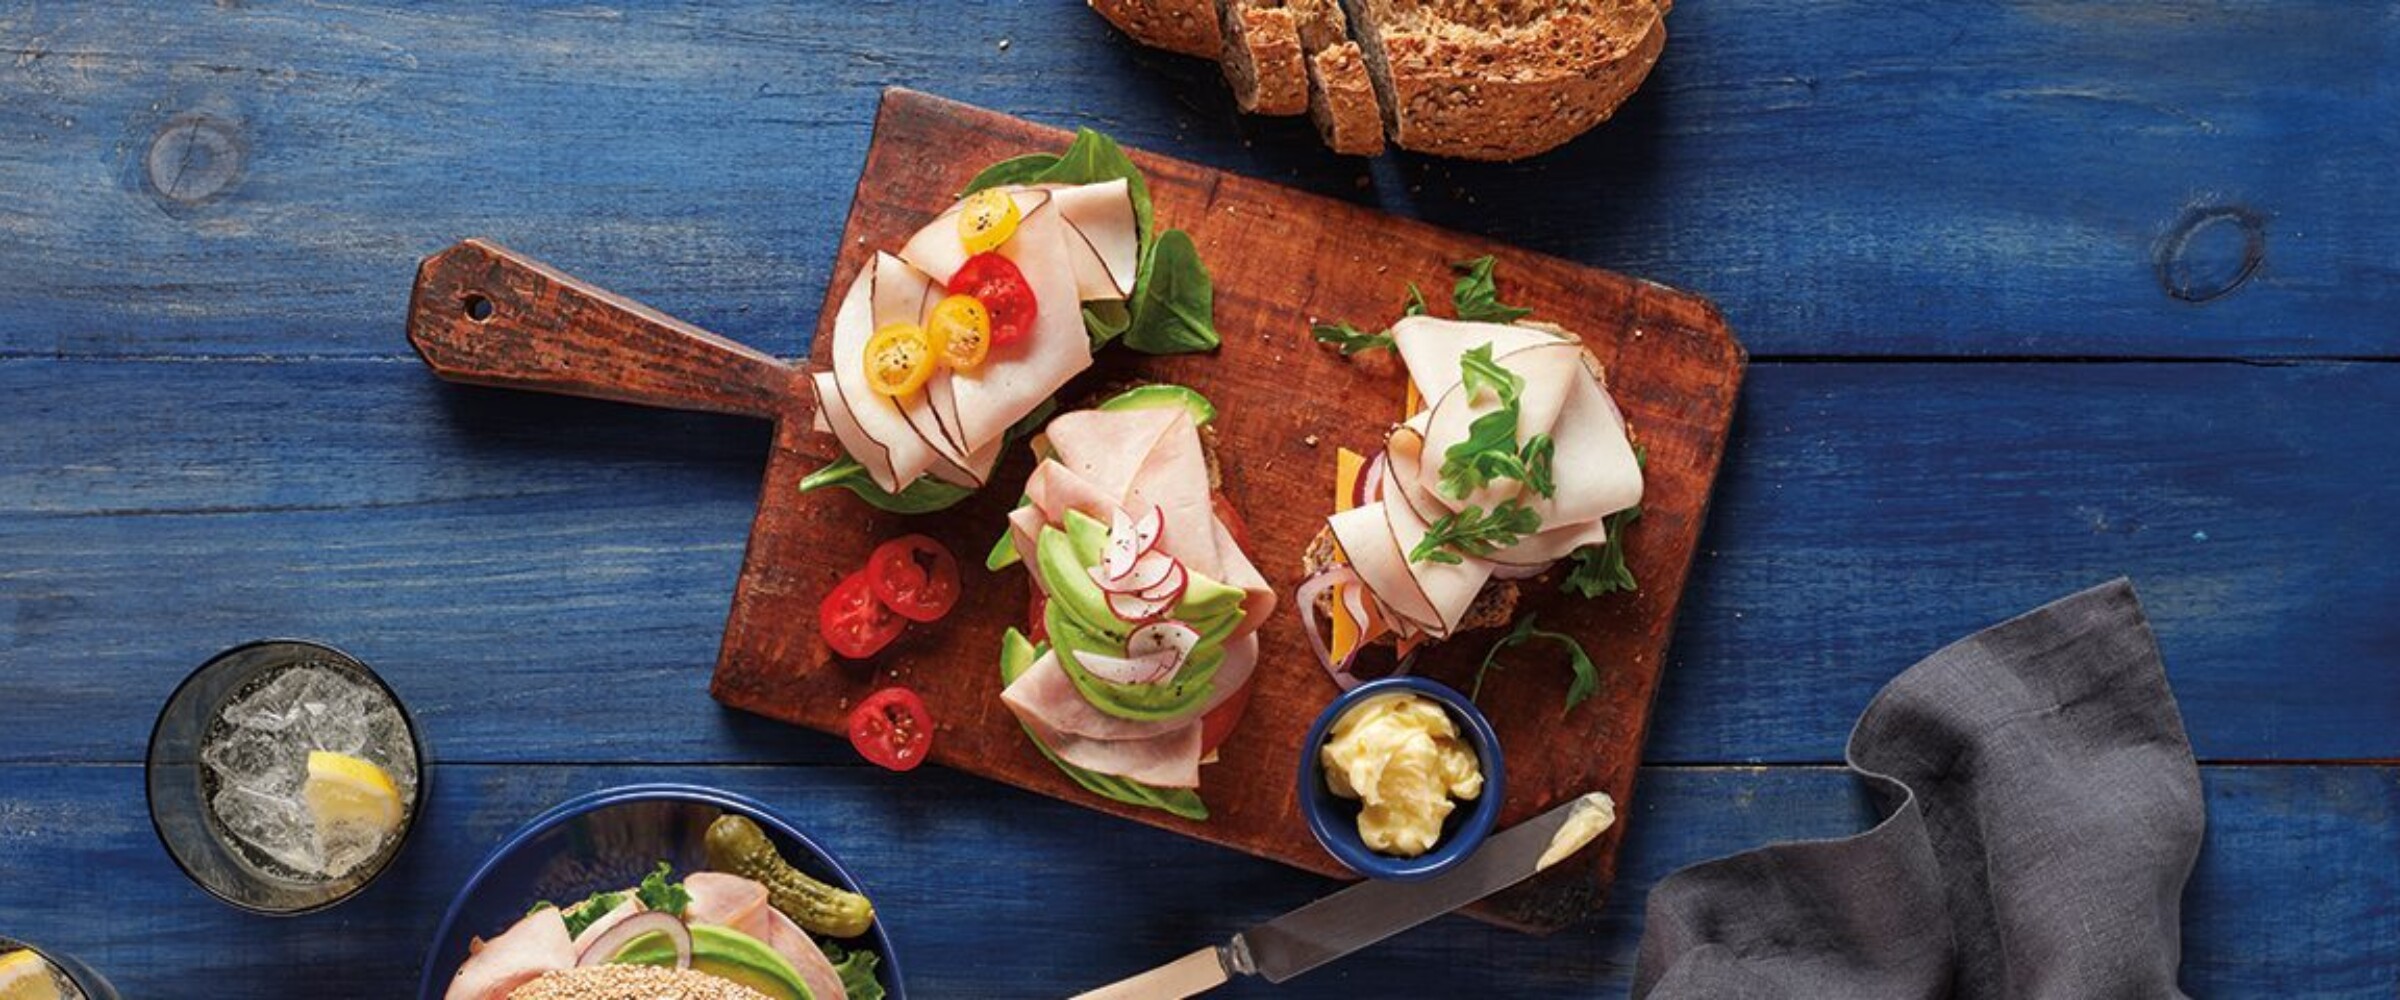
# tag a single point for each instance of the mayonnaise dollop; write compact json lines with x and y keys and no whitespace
{"x":1400,"y":755}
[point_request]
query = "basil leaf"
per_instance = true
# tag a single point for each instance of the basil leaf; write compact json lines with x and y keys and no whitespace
{"x":1477,"y":297}
{"x":1174,"y":302}
{"x":1350,"y":339}
{"x":1587,"y":676}
{"x":1014,"y":170}
{"x":925,"y":495}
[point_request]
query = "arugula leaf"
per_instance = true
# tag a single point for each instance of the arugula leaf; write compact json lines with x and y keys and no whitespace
{"x":1350,"y":339}
{"x":1477,"y":297}
{"x":583,"y":914}
{"x":1174,"y":301}
{"x":1478,"y":372}
{"x":1026,"y":169}
{"x":1587,"y":677}
{"x":1476,"y":533}
{"x":856,"y":967}
{"x":1416,"y":302}
{"x":1540,"y":458}
{"x":1488,"y":452}
{"x":657,"y":893}
{"x":925,"y":495}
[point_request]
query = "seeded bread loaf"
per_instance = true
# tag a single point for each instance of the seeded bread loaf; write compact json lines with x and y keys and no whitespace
{"x":1341,"y":99}
{"x":1322,"y":24}
{"x":1263,"y":59}
{"x":1186,"y":26}
{"x":1504,"y":79}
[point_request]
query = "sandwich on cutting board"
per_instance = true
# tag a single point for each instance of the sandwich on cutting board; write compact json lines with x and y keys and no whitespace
{"x":1484,"y":80}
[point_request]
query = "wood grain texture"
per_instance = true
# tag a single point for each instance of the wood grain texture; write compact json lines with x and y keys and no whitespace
{"x":1920,"y":177}
{"x":1279,"y":258}
{"x":152,"y":513}
{"x":993,"y":892}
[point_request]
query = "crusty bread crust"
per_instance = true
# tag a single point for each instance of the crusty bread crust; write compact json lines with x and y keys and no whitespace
{"x":1322,"y":25}
{"x":1186,"y":26}
{"x":1341,"y":98}
{"x":1262,"y":59}
{"x":1507,"y":96}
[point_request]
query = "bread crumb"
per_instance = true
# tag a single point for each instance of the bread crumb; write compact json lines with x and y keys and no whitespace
{"x":1310,"y":440}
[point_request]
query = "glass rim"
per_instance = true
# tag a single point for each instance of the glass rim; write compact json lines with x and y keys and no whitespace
{"x":408,"y":826}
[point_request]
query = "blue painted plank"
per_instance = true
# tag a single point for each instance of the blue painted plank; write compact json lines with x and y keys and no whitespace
{"x":993,"y":892}
{"x":1917,"y":177}
{"x":151,"y":513}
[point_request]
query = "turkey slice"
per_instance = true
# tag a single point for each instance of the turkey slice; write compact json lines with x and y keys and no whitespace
{"x":835,"y":411}
{"x":908,"y":453}
{"x":535,"y":945}
{"x":1365,"y":535}
{"x":824,"y":982}
{"x":1431,"y":347}
{"x":936,"y":250}
{"x":1550,"y":372}
{"x":1103,"y":241}
{"x":904,"y":294}
{"x":1165,"y":756}
{"x":1597,"y":471}
{"x":1015,"y":379}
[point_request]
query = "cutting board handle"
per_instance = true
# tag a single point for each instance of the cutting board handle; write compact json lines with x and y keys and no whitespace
{"x":483,"y":315}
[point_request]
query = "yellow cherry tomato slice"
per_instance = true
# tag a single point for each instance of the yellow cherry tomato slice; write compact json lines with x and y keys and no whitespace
{"x":987,"y":219}
{"x":900,"y":357}
{"x":964,"y":329}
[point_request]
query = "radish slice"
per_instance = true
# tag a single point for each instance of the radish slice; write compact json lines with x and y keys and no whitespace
{"x":1149,"y":528}
{"x":636,"y":927}
{"x":1176,"y":638}
{"x":1149,"y":669}
{"x":1149,"y":572}
{"x":1123,"y":548}
{"x":1170,"y":589}
{"x":1137,"y":609}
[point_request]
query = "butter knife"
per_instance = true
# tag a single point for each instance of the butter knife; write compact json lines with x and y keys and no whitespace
{"x":1371,"y":911}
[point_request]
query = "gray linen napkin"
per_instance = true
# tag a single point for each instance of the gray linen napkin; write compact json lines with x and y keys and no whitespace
{"x":2043,"y":814}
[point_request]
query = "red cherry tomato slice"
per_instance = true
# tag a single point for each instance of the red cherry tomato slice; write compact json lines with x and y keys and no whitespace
{"x":853,"y":622}
{"x":995,"y":281}
{"x":915,"y":576}
{"x":1219,"y":722}
{"x":1234,"y":525}
{"x":892,"y":729}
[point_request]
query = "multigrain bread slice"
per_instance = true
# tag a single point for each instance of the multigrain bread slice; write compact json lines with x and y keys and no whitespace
{"x":1341,"y":99}
{"x":1186,"y":26}
{"x":1263,"y":59}
{"x":1504,"y":79}
{"x":1321,"y":22}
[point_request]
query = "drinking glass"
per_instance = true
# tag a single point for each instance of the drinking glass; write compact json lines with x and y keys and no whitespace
{"x":230,"y":757}
{"x":72,"y":980}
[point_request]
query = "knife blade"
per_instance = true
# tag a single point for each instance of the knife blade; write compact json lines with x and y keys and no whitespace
{"x":1371,"y":911}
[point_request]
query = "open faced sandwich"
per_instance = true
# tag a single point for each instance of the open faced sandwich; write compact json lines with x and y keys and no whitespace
{"x":1142,"y":643}
{"x":942,"y":351}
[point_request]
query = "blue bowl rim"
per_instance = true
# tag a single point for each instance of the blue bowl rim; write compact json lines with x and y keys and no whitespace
{"x":1343,"y":843}
{"x":433,"y":983}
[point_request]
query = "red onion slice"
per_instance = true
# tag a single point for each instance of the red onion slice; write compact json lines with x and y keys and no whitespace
{"x":1370,"y":482}
{"x":633,"y":928}
{"x":1306,"y":597}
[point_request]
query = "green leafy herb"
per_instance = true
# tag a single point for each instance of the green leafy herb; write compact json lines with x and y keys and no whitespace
{"x":583,"y":914}
{"x":1350,"y":339}
{"x":1174,"y":301}
{"x":1026,"y":169}
{"x":1541,"y":457}
{"x":1587,"y":677}
{"x":1475,"y":533}
{"x":1416,"y":302}
{"x":539,"y":906}
{"x":1490,"y":450}
{"x":1477,"y":297}
{"x":856,"y":967}
{"x":657,"y":893}
{"x":1479,"y":372}
{"x":924,"y":495}
{"x":1601,"y":569}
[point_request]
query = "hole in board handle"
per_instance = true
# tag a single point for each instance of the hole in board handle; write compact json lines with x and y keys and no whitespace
{"x":477,"y":308}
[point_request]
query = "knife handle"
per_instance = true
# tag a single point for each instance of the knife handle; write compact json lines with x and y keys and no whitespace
{"x":1190,"y":975}
{"x":484,"y":315}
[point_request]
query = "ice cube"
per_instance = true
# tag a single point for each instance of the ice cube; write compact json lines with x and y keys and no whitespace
{"x":277,"y":826}
{"x":263,"y":762}
{"x":348,"y":845}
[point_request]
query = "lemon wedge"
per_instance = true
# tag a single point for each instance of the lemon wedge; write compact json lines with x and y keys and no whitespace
{"x":24,"y":975}
{"x":355,"y":805}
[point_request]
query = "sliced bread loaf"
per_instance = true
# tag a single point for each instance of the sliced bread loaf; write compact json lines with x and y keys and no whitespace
{"x":1186,"y":26}
{"x":1262,"y":58}
{"x":1504,"y":79}
{"x":1341,"y":98}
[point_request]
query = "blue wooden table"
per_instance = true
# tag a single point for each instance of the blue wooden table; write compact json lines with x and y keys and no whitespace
{"x":2037,"y":293}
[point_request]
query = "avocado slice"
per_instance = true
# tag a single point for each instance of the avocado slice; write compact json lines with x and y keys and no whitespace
{"x":726,"y":954}
{"x":1164,"y":394}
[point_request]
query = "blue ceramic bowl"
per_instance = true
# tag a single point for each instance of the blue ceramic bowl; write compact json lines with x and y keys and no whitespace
{"x":609,"y":839}
{"x":1335,"y":819}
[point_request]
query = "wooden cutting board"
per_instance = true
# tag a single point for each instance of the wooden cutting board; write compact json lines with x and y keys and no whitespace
{"x":1280,"y":258}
